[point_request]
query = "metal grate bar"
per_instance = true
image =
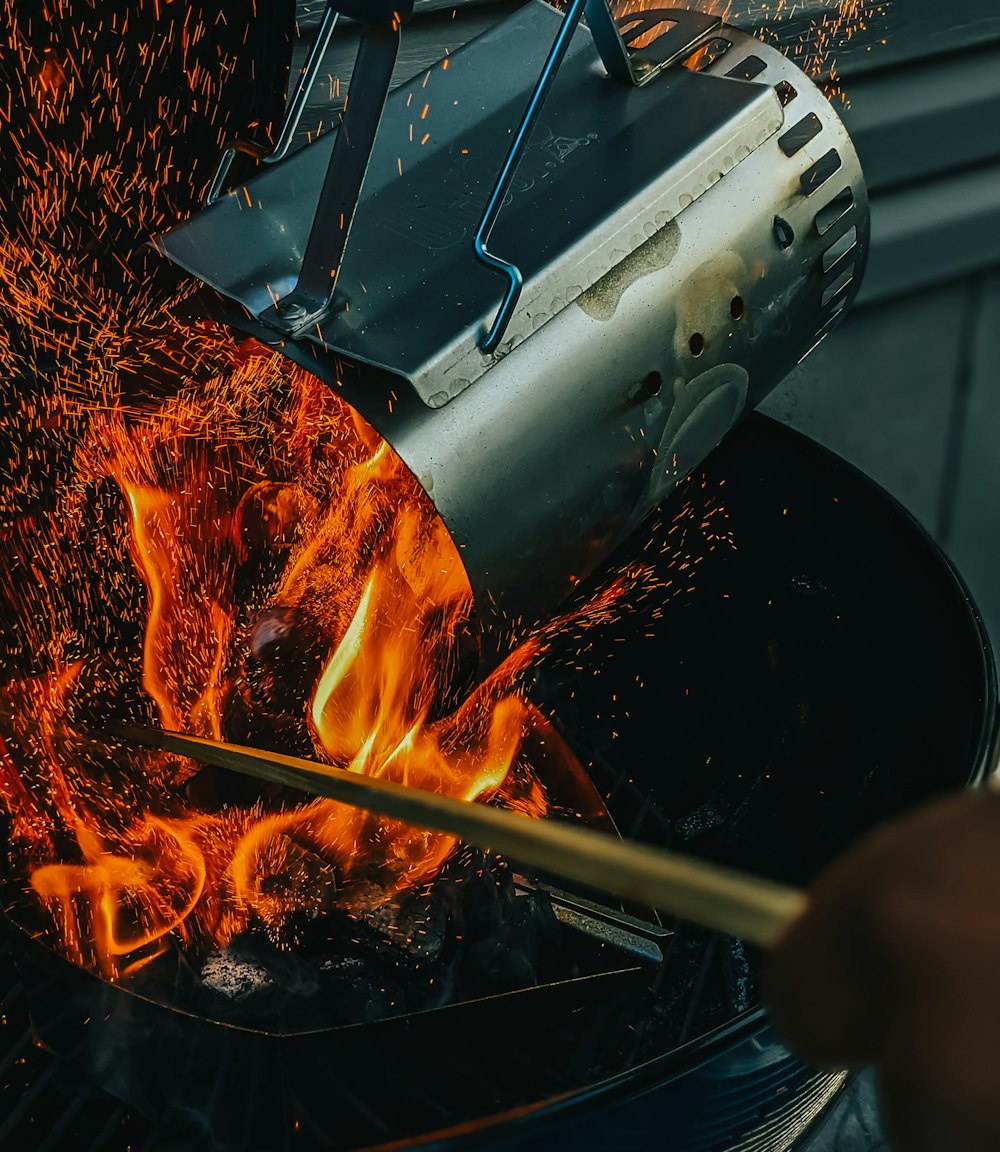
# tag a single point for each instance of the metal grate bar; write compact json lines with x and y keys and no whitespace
{"x":639,"y":819}
{"x":699,"y":987}
{"x":156,"y":1141}
{"x":37,"y":1089}
{"x":74,"y":1107}
{"x":9,"y":1001}
{"x":106,"y":1134}
{"x":15,"y":1052}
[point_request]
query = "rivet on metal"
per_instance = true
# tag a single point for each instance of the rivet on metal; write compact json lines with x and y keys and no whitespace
{"x":290,"y":310}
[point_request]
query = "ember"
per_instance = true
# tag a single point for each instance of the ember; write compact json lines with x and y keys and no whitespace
{"x":834,"y":24}
{"x":299,"y":591}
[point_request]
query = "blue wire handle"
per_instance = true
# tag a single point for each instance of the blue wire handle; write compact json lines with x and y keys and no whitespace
{"x":490,"y":340}
{"x":303,"y":90}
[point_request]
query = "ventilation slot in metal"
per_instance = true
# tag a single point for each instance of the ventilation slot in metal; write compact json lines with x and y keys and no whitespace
{"x":843,"y":279}
{"x":748,"y":69}
{"x":786,"y":93}
{"x":825,"y":167}
{"x":837,"y":251}
{"x":708,"y":54}
{"x":797,"y":137}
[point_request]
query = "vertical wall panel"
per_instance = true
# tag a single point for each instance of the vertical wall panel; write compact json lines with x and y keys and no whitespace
{"x":881,"y":393}
{"x":974,"y":540}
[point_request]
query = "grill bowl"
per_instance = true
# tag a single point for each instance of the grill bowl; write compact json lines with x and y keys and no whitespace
{"x":827,"y":673}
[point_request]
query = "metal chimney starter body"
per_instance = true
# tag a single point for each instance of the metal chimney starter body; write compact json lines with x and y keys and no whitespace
{"x":682,"y":240}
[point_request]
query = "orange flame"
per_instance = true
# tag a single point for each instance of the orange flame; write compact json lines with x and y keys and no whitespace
{"x":297,"y":582}
{"x":184,"y":652}
{"x":133,"y":900}
{"x":244,"y":560}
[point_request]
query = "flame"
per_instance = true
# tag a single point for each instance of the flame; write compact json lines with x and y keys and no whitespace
{"x":245,"y":559}
{"x":184,"y":651}
{"x":133,"y":900}
{"x":284,"y":577}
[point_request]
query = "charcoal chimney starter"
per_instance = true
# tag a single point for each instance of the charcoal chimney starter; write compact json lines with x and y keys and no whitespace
{"x":680,"y":216}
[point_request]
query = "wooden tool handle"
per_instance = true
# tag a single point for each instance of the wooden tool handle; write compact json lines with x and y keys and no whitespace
{"x":721,"y":899}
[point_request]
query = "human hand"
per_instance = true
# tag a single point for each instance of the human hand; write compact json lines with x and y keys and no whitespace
{"x":896,"y":963}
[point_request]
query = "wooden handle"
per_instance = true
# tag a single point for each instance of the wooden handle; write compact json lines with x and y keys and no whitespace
{"x":723,"y":900}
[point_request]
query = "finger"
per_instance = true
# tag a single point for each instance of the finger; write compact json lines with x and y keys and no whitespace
{"x":822,"y":983}
{"x":918,"y":1120}
{"x":895,"y":960}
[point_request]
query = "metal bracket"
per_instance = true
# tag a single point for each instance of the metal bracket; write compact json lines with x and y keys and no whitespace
{"x":671,"y":35}
{"x":675,"y":33}
{"x":312,"y":297}
{"x":646,"y":939}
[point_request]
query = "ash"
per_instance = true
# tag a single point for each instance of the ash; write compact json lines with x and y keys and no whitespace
{"x":470,"y":934}
{"x":233,"y":976}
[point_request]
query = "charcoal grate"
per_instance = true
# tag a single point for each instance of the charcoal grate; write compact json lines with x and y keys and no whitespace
{"x":44,"y":1108}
